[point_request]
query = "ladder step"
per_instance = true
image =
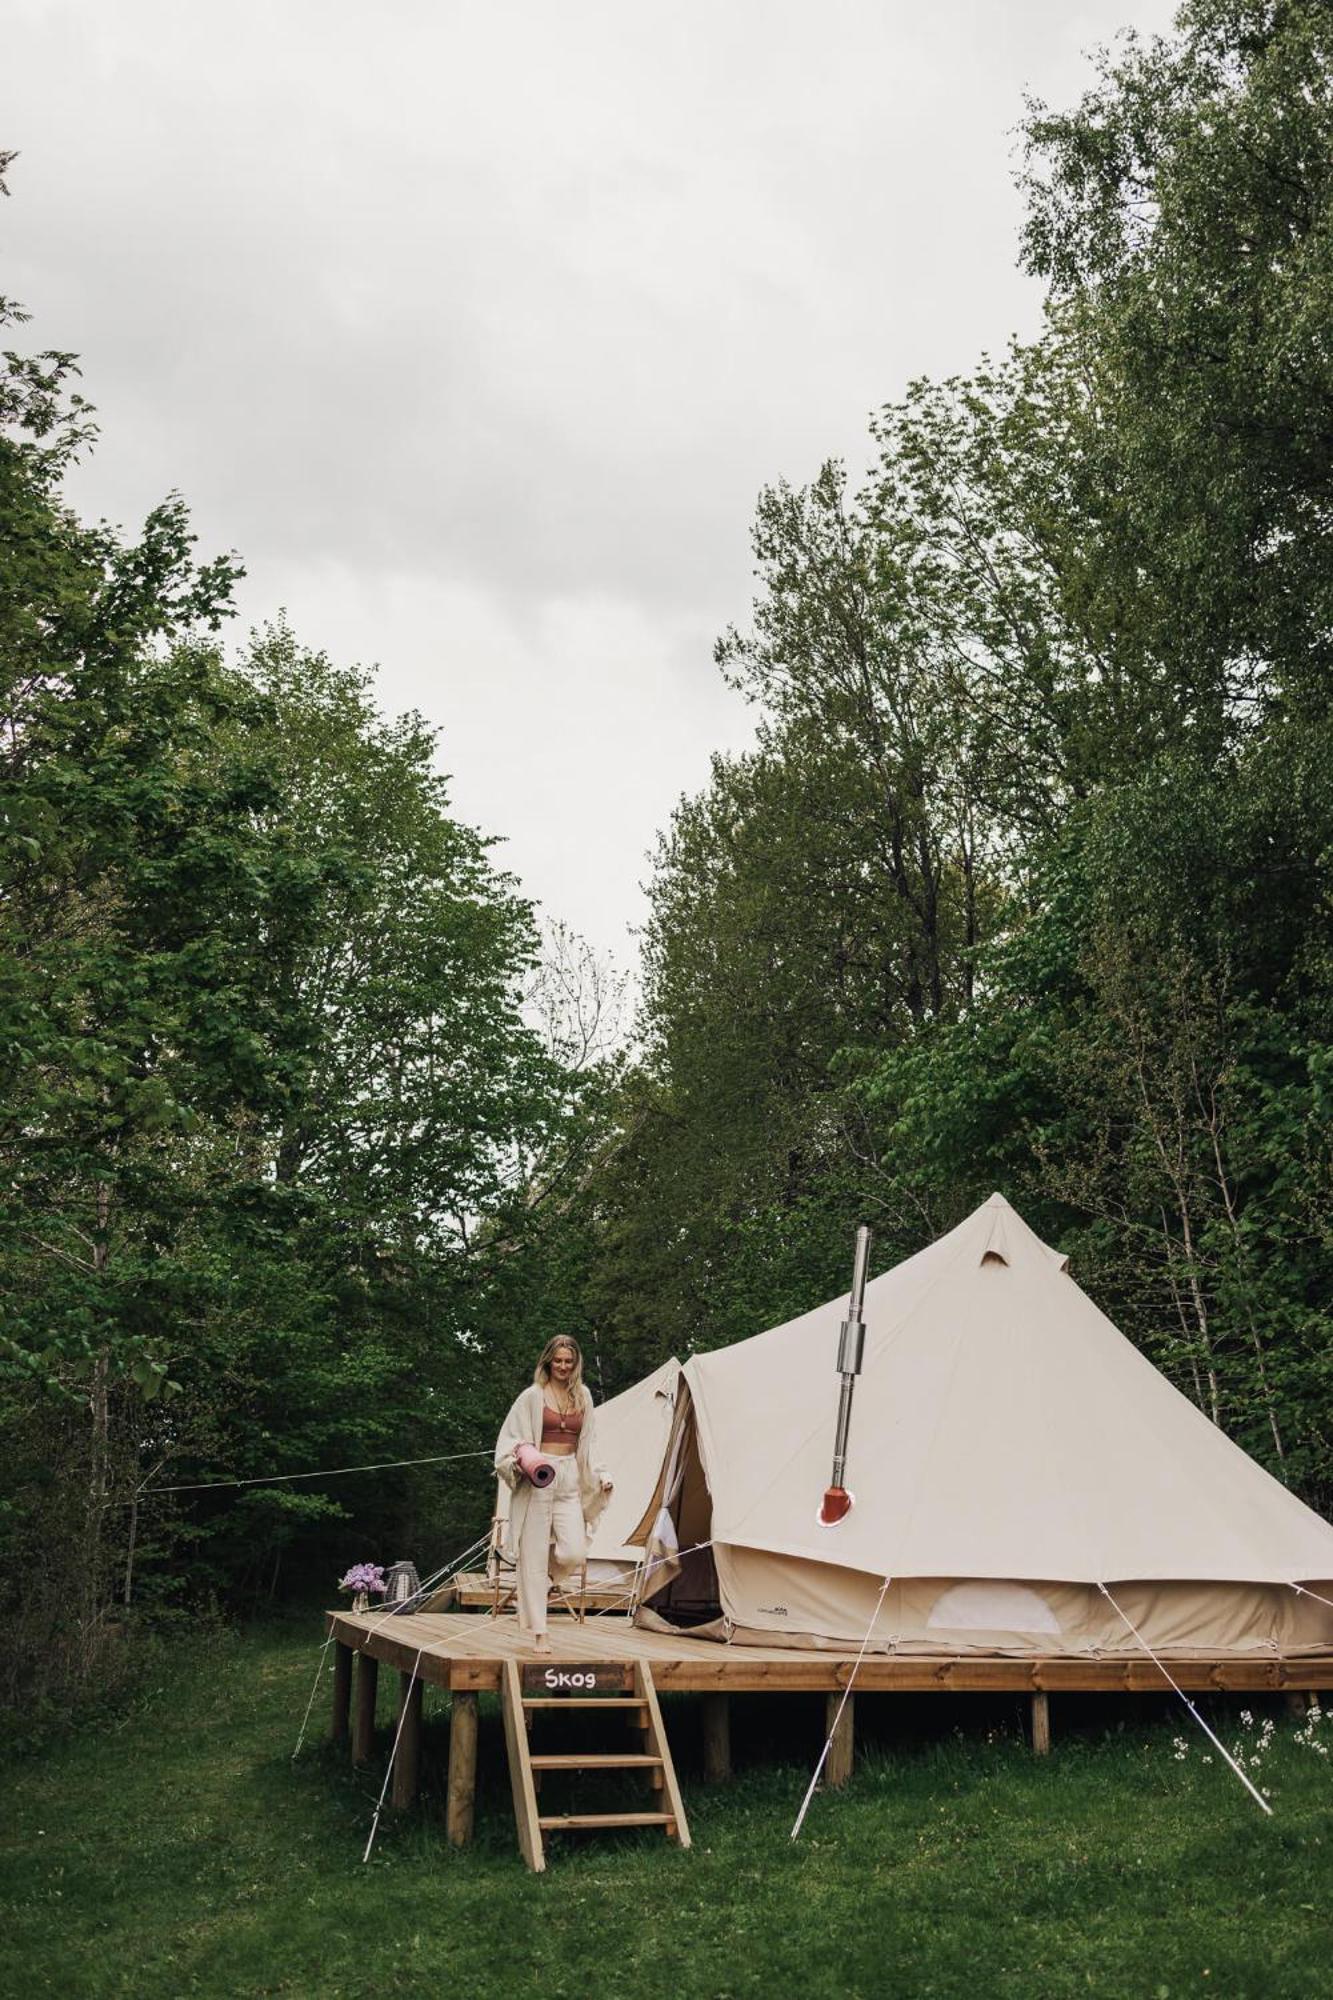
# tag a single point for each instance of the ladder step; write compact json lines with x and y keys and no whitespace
{"x":577,"y":1701}
{"x":588,"y":1760}
{"x":558,"y":1822}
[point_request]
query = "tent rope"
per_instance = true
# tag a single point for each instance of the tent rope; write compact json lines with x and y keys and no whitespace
{"x":388,"y":1769}
{"x":329,"y":1472}
{"x":1301,"y":1591}
{"x":314,"y":1690}
{"x":823,"y":1755}
{"x":1211,"y":1734}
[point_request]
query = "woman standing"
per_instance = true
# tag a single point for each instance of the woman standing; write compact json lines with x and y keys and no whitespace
{"x":547,"y":1537}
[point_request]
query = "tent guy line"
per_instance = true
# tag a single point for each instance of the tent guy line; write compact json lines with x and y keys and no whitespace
{"x":1211,"y":1734}
{"x":388,"y":1768}
{"x":1301,"y":1591}
{"x":823,"y":1755}
{"x":314,"y":1690}
{"x":330,"y":1472}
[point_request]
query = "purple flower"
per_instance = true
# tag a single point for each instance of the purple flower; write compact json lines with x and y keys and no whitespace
{"x":364,"y":1576}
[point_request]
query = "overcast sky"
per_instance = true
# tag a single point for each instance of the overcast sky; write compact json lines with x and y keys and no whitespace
{"x":476,"y":329}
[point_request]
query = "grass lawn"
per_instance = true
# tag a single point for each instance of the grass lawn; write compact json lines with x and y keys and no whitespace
{"x":180,"y":1851}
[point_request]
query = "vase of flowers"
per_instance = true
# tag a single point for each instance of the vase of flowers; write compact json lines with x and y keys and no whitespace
{"x":364,"y":1580}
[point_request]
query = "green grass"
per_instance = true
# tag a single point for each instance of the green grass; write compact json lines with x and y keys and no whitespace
{"x":180,"y":1851}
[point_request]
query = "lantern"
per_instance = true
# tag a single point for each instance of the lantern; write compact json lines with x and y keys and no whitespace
{"x":402,"y":1587}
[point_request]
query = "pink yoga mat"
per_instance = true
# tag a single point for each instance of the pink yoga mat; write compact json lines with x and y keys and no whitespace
{"x":533,"y":1466}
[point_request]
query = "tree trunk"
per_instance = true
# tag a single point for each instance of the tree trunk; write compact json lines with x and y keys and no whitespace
{"x":129,"y":1551}
{"x":99,"y":1452}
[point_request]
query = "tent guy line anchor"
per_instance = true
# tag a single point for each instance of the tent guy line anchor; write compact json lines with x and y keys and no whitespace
{"x":838,"y":1502}
{"x":1211,"y":1734}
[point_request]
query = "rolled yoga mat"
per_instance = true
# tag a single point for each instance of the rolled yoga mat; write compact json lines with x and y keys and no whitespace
{"x":533,"y":1466}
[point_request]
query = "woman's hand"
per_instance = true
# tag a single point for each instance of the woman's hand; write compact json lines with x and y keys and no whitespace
{"x":608,"y":1485}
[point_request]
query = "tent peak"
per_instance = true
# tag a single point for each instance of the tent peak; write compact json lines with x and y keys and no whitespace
{"x":1005,"y":1235}
{"x":995,"y":1249}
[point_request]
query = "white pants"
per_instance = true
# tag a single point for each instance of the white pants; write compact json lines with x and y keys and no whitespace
{"x":554,"y":1544}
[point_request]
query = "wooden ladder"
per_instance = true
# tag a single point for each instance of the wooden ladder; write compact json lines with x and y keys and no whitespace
{"x":525,"y":1766}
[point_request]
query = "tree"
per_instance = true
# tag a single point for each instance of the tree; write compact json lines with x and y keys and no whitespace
{"x":1047,"y":703}
{"x":271,"y":1108}
{"x":1147,"y":1077}
{"x":841,"y":657}
{"x":132,"y":1002}
{"x":1181,"y":216}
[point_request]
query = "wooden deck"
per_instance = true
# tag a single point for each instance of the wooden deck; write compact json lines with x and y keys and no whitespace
{"x":465,"y":1652}
{"x":471,"y":1655}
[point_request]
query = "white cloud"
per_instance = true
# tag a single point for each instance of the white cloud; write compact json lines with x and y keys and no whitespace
{"x":564,"y":727}
{"x":477,"y":328}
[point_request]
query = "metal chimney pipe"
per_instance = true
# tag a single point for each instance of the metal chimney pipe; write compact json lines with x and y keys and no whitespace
{"x":837,"y":1502}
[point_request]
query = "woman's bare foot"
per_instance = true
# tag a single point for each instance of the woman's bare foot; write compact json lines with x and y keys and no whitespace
{"x":541,"y":1644}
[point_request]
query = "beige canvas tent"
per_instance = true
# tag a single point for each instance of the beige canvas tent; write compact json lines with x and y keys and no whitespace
{"x":1011,"y":1454}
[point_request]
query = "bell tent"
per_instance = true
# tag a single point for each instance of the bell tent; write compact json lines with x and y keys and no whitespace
{"x":1023,"y":1478}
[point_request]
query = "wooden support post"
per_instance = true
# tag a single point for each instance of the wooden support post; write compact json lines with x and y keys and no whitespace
{"x":363,"y":1722}
{"x":463,"y":1716}
{"x":838,"y":1768}
{"x":342,"y":1689}
{"x":717,"y":1738}
{"x":1041,"y":1724}
{"x":407,"y":1764}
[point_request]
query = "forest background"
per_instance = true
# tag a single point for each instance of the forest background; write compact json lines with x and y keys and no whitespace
{"x":310,"y":1138}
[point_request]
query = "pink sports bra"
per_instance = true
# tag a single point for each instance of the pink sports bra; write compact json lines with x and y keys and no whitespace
{"x":556,"y":1425}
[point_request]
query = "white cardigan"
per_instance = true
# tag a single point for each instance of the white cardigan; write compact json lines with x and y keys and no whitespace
{"x":523,"y":1425}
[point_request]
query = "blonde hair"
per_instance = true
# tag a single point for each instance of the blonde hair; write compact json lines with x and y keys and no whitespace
{"x":542,"y":1372}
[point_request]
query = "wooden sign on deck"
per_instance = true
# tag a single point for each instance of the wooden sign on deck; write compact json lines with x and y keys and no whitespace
{"x":554,"y":1679}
